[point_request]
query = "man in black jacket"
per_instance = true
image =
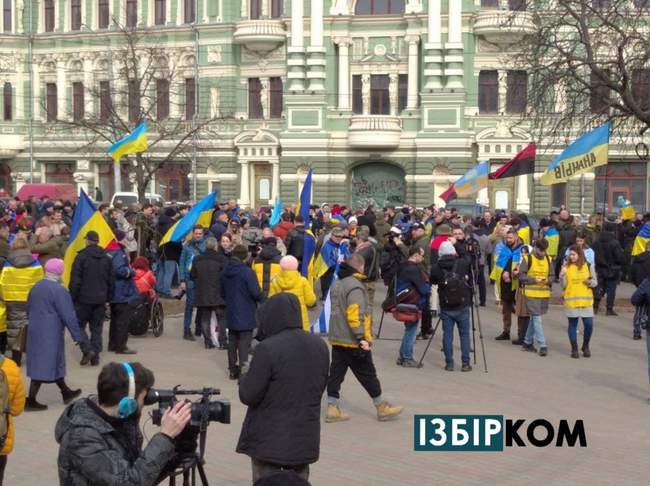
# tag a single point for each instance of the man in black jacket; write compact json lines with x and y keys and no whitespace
{"x":609,"y":260}
{"x":206,"y":274}
{"x":295,"y":240}
{"x":283,"y":390}
{"x":91,"y":287}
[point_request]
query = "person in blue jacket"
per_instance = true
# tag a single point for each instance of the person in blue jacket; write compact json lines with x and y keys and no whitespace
{"x":641,"y":300}
{"x":241,"y":291}
{"x":194,"y":247}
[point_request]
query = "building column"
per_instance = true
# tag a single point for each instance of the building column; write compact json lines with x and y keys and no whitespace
{"x":296,"y":50}
{"x":454,"y":46}
{"x":265,"y":98}
{"x":57,"y":16}
{"x":433,"y":47}
{"x":393,"y":93}
{"x":365,"y":93}
{"x":36,"y":87}
{"x":244,"y":182}
{"x":168,"y":11}
{"x":61,"y":91}
{"x":206,"y":18}
{"x":180,"y":12}
{"x":523,"y":200}
{"x":89,"y":85}
{"x":20,"y":88}
{"x":344,"y":73}
{"x":503,"y":91}
{"x":316,"y":62}
{"x":275,"y":180}
{"x":413,"y":70}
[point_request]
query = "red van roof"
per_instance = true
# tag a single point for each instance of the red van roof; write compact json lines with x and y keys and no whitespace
{"x":53,"y":191}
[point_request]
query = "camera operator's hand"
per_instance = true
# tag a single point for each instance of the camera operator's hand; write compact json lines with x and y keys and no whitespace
{"x":175,"y":419}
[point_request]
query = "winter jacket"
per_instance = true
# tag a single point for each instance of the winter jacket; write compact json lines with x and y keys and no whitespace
{"x":391,"y":259}
{"x":369,"y":253}
{"x":52,"y":248}
{"x":409,"y":276}
{"x":91,"y":279}
{"x":190,"y":250}
{"x":98,"y":450}
{"x":241,"y":292}
{"x":218,"y":229}
{"x":145,"y":282}
{"x":282,"y":230}
{"x":640,"y":268}
{"x":350,"y":319}
{"x":424,"y":243}
{"x":295,"y":242}
{"x":568,"y":233}
{"x":609,"y":255}
{"x":641,"y":296}
{"x":291,"y":281}
{"x":206,"y":276}
{"x":124,"y":290}
{"x":445,"y":265}
{"x":16,"y":400}
{"x":266,"y":266}
{"x":283,"y":388}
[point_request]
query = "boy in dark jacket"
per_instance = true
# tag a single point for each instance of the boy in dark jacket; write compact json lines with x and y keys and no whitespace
{"x":241,"y":292}
{"x":609,"y":261}
{"x":288,"y":372}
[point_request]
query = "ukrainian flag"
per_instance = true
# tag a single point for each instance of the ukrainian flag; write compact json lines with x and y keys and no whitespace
{"x":201,"y":213}
{"x":135,"y":142}
{"x":276,"y":214}
{"x":308,"y":251}
{"x":589,"y":151}
{"x":641,"y":240}
{"x":503,"y":254}
{"x":473,"y":181}
{"x":524,"y":232}
{"x":305,"y":200}
{"x":86,"y":218}
{"x":553,"y":238}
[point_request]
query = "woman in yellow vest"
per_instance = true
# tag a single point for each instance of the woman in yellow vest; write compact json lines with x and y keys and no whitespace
{"x":534,"y":274}
{"x":578,"y":278}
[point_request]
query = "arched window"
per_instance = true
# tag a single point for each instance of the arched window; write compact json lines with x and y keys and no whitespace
{"x":379,"y":7}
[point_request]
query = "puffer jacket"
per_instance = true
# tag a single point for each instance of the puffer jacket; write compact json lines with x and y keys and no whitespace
{"x":266,"y":266}
{"x":16,"y":400}
{"x":98,"y":450}
{"x":291,"y":281}
{"x":350,"y":319}
{"x":124,"y":289}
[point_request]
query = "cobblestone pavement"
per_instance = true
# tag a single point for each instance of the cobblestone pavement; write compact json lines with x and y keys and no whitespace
{"x":607,"y":391}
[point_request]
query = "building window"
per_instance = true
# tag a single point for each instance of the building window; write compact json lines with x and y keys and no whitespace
{"x":103,"y":14}
{"x":49,"y":15}
{"x":517,"y":91}
{"x":490,"y":3}
{"x":379,"y":7}
{"x":159,"y":12}
{"x":131,"y":13}
{"x":255,"y":9}
{"x":276,"y":97}
{"x":162,"y":99}
{"x":620,"y":179}
{"x":6,"y":15}
{"x":277,"y":6}
{"x":190,"y":11}
{"x":77,"y":101}
{"x":357,"y":94}
{"x":255,"y":110}
{"x":190,"y":98}
{"x":558,"y":195}
{"x":379,"y":95}
{"x":488,"y":92}
{"x":51,"y":107}
{"x":105,"y":102}
{"x":599,"y":98}
{"x":6,"y":97}
{"x":75,"y":14}
{"x":517,"y":5}
{"x":402,"y":92}
{"x":641,"y":87}
{"x":134,"y":101}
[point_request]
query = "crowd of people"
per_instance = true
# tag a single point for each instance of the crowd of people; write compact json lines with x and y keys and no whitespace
{"x":246,"y":292}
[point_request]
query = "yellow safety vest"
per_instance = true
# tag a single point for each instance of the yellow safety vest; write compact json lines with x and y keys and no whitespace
{"x":576,"y":293}
{"x":538,"y":268}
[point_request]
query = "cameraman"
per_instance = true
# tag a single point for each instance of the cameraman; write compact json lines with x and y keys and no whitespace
{"x":99,"y":440}
{"x":392,"y":256}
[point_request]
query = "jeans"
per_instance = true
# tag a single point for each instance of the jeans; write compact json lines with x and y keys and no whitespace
{"x":93,"y":315}
{"x":636,"y":325}
{"x":189,"y":307}
{"x":461,"y":318}
{"x":535,"y":330}
{"x":206,"y":317}
{"x":262,"y":469}
{"x":587,"y":322}
{"x":165,"y":272}
{"x":360,"y":362}
{"x":408,"y":340}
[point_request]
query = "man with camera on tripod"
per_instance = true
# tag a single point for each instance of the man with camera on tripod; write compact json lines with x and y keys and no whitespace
{"x":100,"y":442}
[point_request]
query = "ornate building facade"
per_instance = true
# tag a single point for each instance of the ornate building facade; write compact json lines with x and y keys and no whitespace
{"x":386,"y":100}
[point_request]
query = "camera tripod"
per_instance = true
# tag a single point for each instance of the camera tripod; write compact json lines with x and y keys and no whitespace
{"x":188,"y":467}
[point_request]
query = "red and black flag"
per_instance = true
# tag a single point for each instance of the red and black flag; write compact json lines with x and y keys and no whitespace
{"x":449,"y":194}
{"x":522,"y":163}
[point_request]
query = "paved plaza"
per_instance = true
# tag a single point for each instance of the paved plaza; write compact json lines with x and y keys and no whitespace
{"x":607,"y":391}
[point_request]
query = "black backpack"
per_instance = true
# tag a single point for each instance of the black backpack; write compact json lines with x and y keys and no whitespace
{"x":453,"y":289}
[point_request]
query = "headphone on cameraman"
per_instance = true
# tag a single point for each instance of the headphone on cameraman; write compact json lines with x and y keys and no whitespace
{"x":128,"y":404}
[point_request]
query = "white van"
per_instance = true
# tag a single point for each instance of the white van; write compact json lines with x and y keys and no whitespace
{"x":128,"y":198}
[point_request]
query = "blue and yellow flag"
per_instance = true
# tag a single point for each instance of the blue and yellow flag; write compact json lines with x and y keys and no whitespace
{"x":473,"y":181}
{"x":553,"y":237}
{"x":524,"y":232}
{"x":135,"y":142}
{"x":589,"y":151}
{"x":201,"y":213}
{"x":305,"y":200}
{"x":276,"y":214}
{"x":308,"y":252}
{"x":641,"y":240}
{"x":503,"y":254}
{"x":86,"y":218}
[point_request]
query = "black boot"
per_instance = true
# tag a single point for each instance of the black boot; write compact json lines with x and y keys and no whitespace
{"x":187,"y":335}
{"x":66,"y":393}
{"x":574,"y":349}
{"x":586,"y":352}
{"x":610,"y":312}
{"x":31,"y":405}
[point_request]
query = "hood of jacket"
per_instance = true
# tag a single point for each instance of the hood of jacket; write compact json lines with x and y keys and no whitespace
{"x":447,"y":262}
{"x":280,"y":312}
{"x":287,"y":279}
{"x":20,"y":258}
{"x":80,"y":414}
{"x":346,"y":270}
{"x":234,"y":268}
{"x":269,"y":253}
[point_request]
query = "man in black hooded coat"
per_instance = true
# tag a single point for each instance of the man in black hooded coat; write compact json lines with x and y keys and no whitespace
{"x":283,"y":390}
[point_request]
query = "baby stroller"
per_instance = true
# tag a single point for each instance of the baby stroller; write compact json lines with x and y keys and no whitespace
{"x":147,"y":315}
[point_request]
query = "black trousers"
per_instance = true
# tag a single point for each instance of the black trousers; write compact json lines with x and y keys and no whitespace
{"x":118,"y":331}
{"x":3,"y":342}
{"x":3,"y":465}
{"x":93,"y":316}
{"x":360,"y":362}
{"x":609,"y":286}
{"x":239,"y":344}
{"x":480,"y":282}
{"x":326,"y":281}
{"x":204,"y":315}
{"x":426,"y":326}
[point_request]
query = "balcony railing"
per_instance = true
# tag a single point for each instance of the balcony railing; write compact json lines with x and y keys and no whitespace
{"x":260,"y":35}
{"x":503,"y":26}
{"x":379,"y":131}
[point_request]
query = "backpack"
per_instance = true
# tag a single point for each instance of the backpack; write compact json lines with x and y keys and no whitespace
{"x":453,"y":289}
{"x":4,"y":405}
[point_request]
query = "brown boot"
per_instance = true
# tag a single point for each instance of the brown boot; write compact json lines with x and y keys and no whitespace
{"x":385,"y":411}
{"x":334,"y":414}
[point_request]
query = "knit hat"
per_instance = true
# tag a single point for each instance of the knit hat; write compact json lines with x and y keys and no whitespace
{"x":240,"y":252}
{"x":446,"y":248}
{"x":443,"y":230}
{"x":54,"y":266}
{"x":289,"y":263}
{"x":337,"y":232}
{"x":353,"y":219}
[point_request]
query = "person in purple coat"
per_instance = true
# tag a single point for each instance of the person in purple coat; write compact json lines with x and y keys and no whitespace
{"x":50,"y":311}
